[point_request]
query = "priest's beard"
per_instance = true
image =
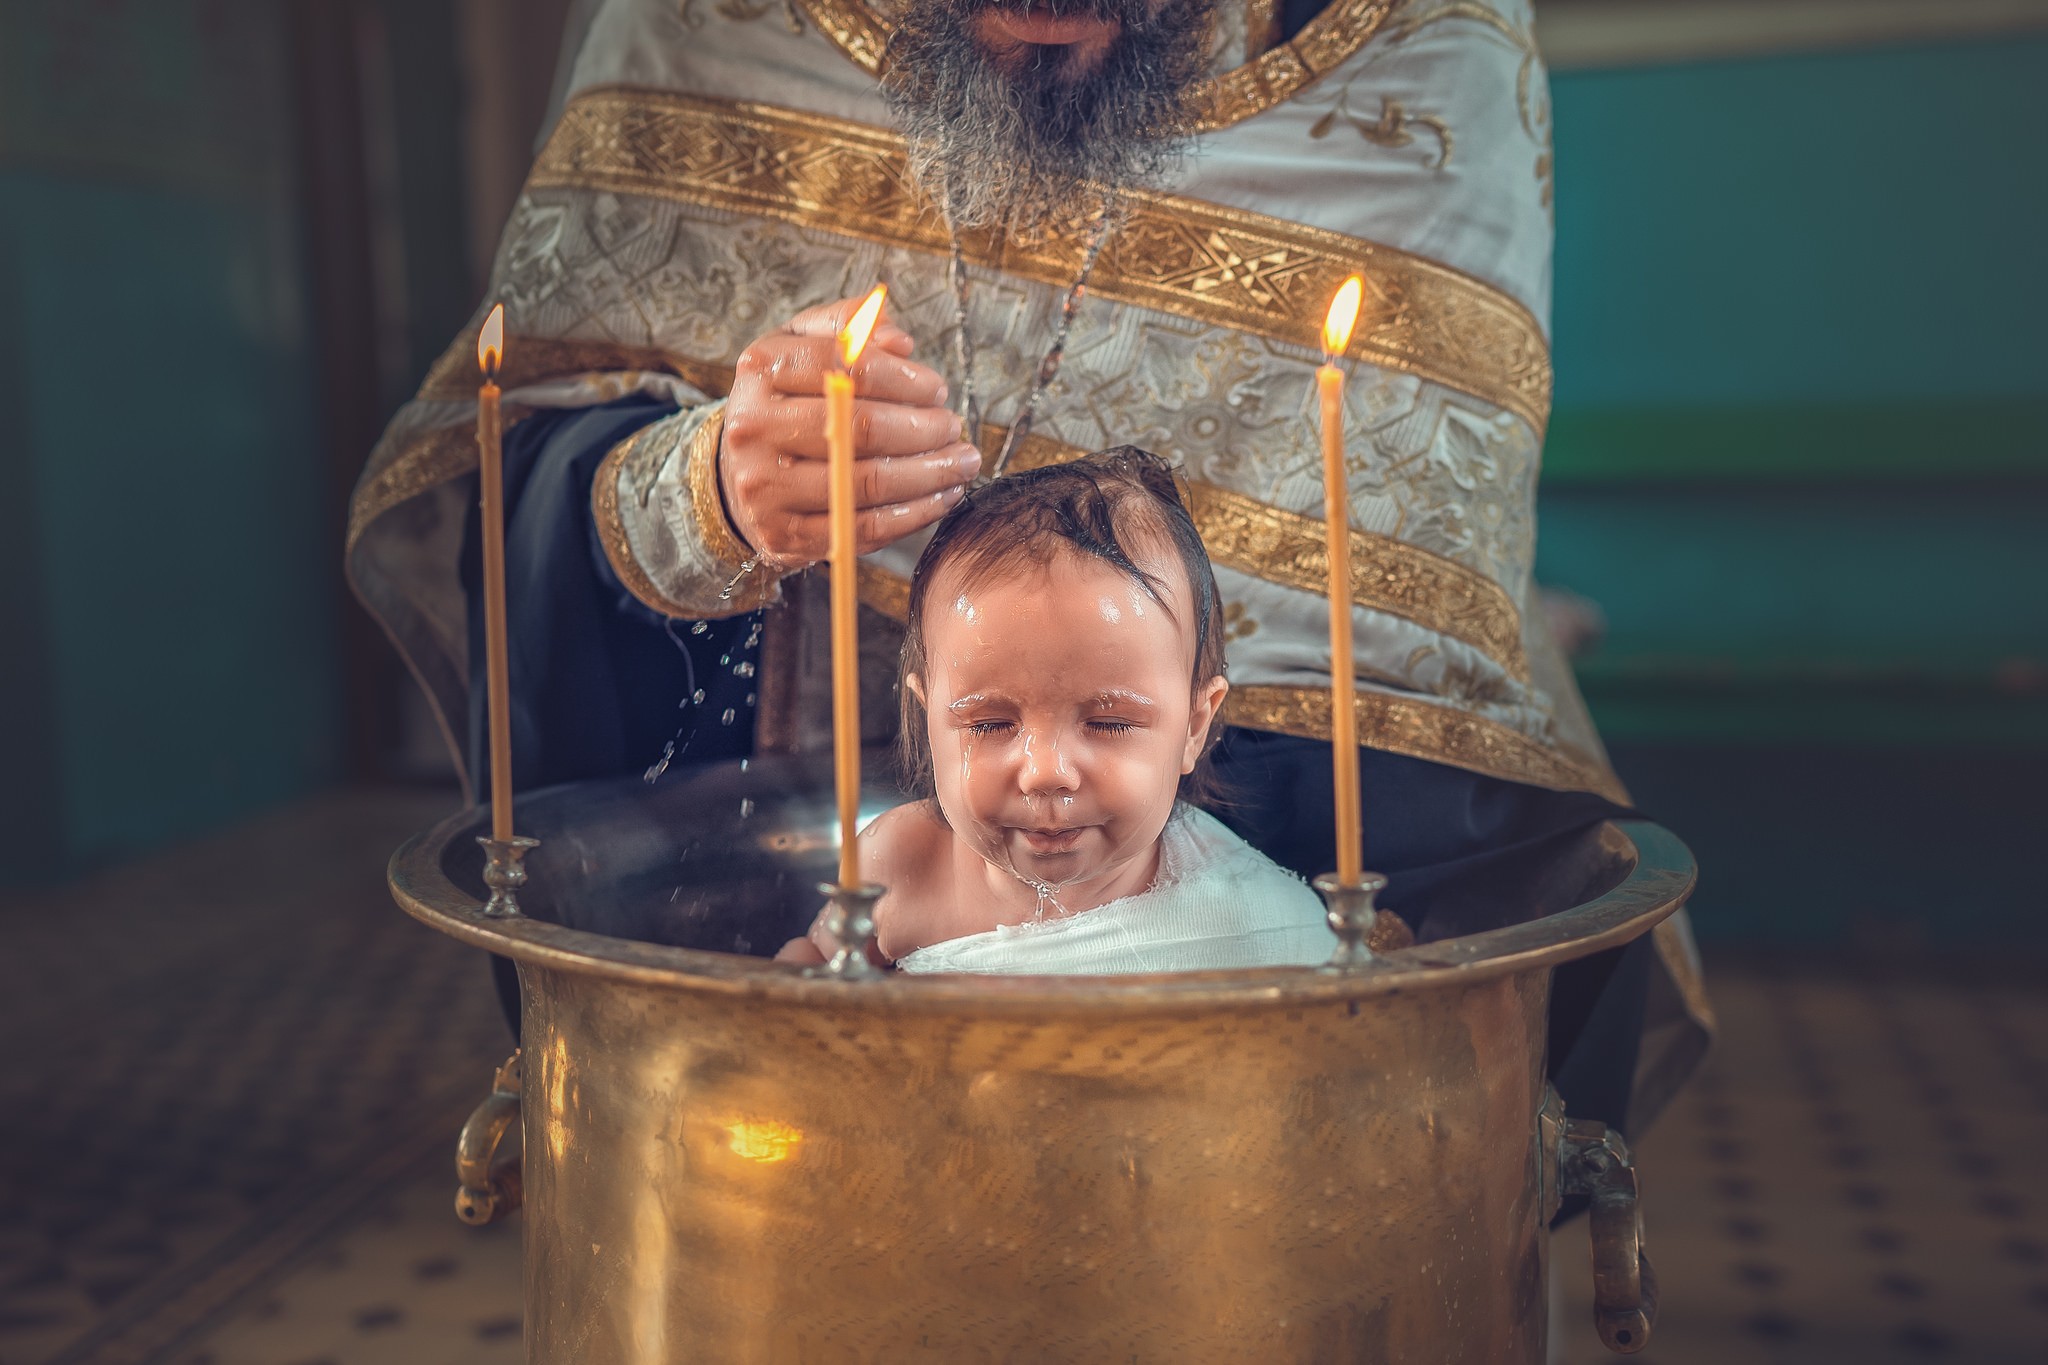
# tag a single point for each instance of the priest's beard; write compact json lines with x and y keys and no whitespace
{"x":1050,"y":139}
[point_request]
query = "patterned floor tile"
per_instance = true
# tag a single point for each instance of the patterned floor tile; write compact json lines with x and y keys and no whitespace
{"x":218,"y":1038}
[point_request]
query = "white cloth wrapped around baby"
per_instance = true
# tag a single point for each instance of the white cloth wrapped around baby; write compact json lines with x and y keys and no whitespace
{"x":1217,"y":902}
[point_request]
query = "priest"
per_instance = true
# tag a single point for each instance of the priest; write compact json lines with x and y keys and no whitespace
{"x":1101,"y":222}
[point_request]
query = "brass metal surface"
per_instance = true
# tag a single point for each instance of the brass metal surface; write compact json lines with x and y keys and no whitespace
{"x":850,"y":923}
{"x":487,"y":1187}
{"x":1593,"y":1160}
{"x":727,"y":1159}
{"x":505,"y":872}
{"x":1351,"y":914}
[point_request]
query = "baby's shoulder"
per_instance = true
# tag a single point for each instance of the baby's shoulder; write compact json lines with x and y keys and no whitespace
{"x":902,"y":842}
{"x":907,"y":850}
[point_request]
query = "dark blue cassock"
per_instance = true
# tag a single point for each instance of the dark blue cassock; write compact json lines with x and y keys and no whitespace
{"x":597,"y":677}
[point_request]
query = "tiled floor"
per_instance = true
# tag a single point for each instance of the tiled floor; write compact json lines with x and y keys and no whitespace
{"x":405,"y":1285}
{"x":212,"y":1056}
{"x":235,"y":1149}
{"x":1858,"y":1175}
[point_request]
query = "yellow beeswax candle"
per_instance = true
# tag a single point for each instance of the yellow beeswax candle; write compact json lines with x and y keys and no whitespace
{"x":490,"y":351}
{"x":845,"y":571}
{"x":1337,"y":524}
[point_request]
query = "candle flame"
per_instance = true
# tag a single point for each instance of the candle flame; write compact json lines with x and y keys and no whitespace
{"x":490,"y":342}
{"x":1343,"y":315}
{"x":854,"y":339}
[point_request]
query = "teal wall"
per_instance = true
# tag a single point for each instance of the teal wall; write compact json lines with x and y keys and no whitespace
{"x":1798,"y":452}
{"x":170,"y":583}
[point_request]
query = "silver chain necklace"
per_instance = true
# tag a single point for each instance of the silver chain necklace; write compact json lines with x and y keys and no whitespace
{"x":963,"y":339}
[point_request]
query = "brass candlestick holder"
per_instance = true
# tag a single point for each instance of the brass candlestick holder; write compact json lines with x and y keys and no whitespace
{"x":850,"y":920}
{"x":1351,"y":914}
{"x":505,"y":872}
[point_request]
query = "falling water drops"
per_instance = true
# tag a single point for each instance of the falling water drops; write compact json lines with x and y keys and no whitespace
{"x":700,"y":628}
{"x":668,"y":751}
{"x":729,"y":717}
{"x":746,"y":807}
{"x":698,"y":696}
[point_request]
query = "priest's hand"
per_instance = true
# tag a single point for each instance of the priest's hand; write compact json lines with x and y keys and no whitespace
{"x":910,"y":464}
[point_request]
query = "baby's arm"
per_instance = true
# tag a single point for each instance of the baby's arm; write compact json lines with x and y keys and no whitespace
{"x":802,"y":951}
{"x":895,"y":851}
{"x":818,"y":946}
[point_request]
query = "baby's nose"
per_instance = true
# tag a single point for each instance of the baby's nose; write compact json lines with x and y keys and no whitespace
{"x":1046,"y":767}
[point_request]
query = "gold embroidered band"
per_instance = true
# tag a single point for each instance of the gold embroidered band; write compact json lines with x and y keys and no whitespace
{"x":1240,"y":532}
{"x":611,"y":529}
{"x":419,"y":462}
{"x":1291,"y":550}
{"x":1276,"y":74}
{"x":707,"y":503}
{"x":434,"y":456}
{"x":884,"y":591}
{"x":1220,"y":266}
{"x":1420,"y":729}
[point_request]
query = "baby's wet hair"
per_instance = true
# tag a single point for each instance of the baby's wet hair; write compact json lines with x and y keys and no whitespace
{"x":1093,"y":506}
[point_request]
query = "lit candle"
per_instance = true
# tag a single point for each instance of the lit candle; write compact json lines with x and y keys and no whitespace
{"x":1337,"y":524}
{"x":490,"y":350}
{"x":845,"y":570}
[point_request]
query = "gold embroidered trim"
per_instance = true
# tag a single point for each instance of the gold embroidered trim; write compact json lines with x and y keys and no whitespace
{"x":611,"y":531}
{"x":618,"y":549}
{"x":1386,"y":574}
{"x":1266,"y":80}
{"x":1261,"y":27}
{"x":884,"y":591}
{"x":1215,"y":265}
{"x":433,"y":457}
{"x":532,"y":360}
{"x":720,"y":537}
{"x":1291,"y":550}
{"x":1419,"y":729}
{"x":1397,"y":724}
{"x":1240,"y":532}
{"x":425,"y":461}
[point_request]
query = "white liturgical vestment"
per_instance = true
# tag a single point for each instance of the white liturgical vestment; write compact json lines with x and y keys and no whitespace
{"x":709,"y":176}
{"x":714,"y":169}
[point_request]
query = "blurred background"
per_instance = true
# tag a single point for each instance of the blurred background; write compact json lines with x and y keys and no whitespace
{"x":1796,"y":469}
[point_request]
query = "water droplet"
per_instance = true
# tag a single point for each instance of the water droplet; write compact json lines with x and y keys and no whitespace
{"x":673,"y":894}
{"x":698,"y":696}
{"x":700,"y":628}
{"x":743,"y":669}
{"x":750,"y":698}
{"x":729,"y":717}
{"x":744,"y":762}
{"x":746,"y":806}
{"x":668,"y":751}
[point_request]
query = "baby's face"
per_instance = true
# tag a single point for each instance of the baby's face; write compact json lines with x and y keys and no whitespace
{"x":1060,"y":713}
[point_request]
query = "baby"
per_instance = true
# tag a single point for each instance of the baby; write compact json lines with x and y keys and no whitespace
{"x":1062,"y":678}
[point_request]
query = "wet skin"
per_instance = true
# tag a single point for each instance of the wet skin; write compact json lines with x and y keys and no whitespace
{"x":1061,"y":721}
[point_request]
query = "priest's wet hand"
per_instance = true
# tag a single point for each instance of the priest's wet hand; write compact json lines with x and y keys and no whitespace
{"x":911,"y":463}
